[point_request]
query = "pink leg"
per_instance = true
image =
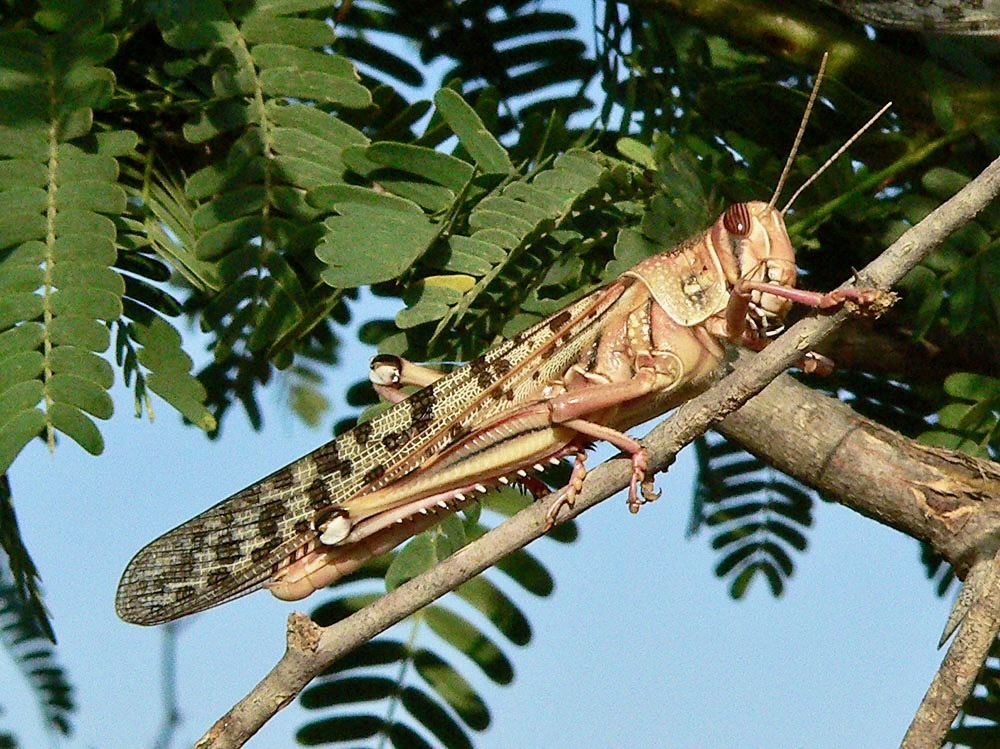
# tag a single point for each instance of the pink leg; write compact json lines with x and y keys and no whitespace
{"x":869,"y":300}
{"x":566,"y":409}
{"x":568,"y":496}
{"x":641,"y":481}
{"x":588,"y":400}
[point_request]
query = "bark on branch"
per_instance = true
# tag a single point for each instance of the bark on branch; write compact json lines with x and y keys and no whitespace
{"x":956,"y":677}
{"x":948,"y":499}
{"x":311,"y":649}
{"x":802,"y":33}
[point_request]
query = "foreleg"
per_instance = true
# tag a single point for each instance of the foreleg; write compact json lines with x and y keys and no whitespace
{"x":868,"y":300}
{"x":861,"y":300}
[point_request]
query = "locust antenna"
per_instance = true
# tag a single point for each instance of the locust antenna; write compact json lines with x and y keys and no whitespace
{"x":836,"y":155}
{"x":798,"y":136}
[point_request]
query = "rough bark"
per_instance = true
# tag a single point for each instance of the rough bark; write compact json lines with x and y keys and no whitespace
{"x":946,"y":498}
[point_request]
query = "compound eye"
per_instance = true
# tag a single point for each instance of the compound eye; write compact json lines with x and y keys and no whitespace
{"x":736,"y":219}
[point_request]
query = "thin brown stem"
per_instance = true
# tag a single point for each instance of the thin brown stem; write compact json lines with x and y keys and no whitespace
{"x":957,"y":674}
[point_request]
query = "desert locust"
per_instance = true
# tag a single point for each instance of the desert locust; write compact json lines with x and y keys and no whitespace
{"x":615,"y":358}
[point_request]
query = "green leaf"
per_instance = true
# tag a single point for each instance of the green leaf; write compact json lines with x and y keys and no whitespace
{"x":635,"y":151}
{"x":74,"y":423}
{"x":224,"y":237}
{"x":81,"y":330}
{"x":229,"y":207}
{"x":26,"y":365}
{"x":339,"y":729}
{"x":434,"y":166}
{"x":19,"y":422}
{"x":416,"y":557}
{"x":373,"y":242}
{"x":297,"y":32}
{"x":222,"y":117}
{"x":311,"y":85}
{"x":293,"y":142}
{"x":288,"y":56}
{"x":972,"y":386}
{"x":16,"y":228}
{"x":347,"y":689}
{"x":170,"y":371}
{"x":92,"y":194}
{"x":95,"y":303}
{"x":448,"y":536}
{"x":465,"y":637}
{"x":484,"y":149}
{"x":313,"y":121}
{"x":22,"y":173}
{"x":80,"y":362}
{"x":431,"y":303}
{"x":490,"y":601}
{"x":433,"y":717}
{"x":24,"y":337}
{"x":453,"y":689}
{"x":403,"y":737}
{"x":943,"y":183}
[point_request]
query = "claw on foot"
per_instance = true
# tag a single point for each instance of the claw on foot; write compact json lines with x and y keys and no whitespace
{"x":641,"y":483}
{"x":568,"y":496}
{"x":867,"y":301}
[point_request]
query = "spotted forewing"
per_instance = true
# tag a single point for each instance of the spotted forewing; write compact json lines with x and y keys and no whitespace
{"x":239,"y":544}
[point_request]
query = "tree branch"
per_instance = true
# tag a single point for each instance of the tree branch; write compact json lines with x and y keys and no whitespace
{"x":801,"y":34}
{"x":957,"y":674}
{"x":311,"y":649}
{"x":948,"y":499}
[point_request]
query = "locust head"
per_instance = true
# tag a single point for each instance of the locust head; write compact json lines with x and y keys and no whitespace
{"x":754,"y":249}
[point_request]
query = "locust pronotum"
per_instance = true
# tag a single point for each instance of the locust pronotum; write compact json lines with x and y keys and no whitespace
{"x":615,"y":358}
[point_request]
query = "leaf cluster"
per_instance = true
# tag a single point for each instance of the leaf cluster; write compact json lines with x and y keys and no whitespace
{"x":757,"y":515}
{"x":164,"y":162}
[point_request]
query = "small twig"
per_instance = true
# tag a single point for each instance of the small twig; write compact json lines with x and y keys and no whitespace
{"x":311,"y":648}
{"x":957,"y":674}
{"x":168,"y":671}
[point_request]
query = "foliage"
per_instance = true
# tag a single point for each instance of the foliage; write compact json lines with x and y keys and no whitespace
{"x":34,"y":655}
{"x":25,"y":633}
{"x":24,"y":626}
{"x":248,"y":166}
{"x":757,"y":514}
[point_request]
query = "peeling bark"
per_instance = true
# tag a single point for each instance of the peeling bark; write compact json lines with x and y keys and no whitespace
{"x":950,"y":500}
